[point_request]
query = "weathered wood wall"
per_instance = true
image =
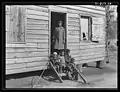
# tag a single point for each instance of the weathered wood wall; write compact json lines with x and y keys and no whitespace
{"x":33,"y":54}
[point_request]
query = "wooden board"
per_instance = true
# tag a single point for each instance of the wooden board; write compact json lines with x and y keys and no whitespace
{"x":14,"y":66}
{"x":12,"y":71}
{"x":87,"y":51}
{"x":84,"y":9}
{"x":37,"y":17}
{"x":72,"y":23}
{"x":92,"y":7}
{"x":36,"y":21}
{"x":37,"y":8}
{"x":34,"y":12}
{"x":73,"y":19}
{"x":89,"y":60}
{"x":73,"y":15}
{"x":25,"y":54}
{"x":34,"y":27}
{"x":33,"y":36}
{"x":10,"y":61}
{"x":27,"y":59}
{"x":90,"y":56}
{"x":35,"y":64}
{"x":25,"y":50}
{"x":37,"y":40}
{"x":57,"y":8}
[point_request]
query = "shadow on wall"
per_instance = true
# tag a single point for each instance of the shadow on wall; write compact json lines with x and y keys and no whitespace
{"x":25,"y":74}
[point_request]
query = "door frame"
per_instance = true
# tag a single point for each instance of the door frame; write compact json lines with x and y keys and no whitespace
{"x":66,"y":40}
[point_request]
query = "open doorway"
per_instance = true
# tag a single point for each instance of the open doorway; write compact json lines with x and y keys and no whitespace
{"x":55,"y":17}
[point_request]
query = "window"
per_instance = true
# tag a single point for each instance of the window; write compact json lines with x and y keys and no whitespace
{"x":86,"y":32}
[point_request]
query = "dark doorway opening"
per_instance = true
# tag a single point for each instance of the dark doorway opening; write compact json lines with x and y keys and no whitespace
{"x":55,"y":17}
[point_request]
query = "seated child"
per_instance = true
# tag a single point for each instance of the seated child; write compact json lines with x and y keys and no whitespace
{"x":69,"y":62}
{"x":55,"y":59}
{"x":62,"y":63}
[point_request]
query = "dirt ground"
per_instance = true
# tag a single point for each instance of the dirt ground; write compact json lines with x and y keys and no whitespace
{"x":96,"y":78}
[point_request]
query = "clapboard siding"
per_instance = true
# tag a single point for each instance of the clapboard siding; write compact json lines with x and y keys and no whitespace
{"x":34,"y":52}
{"x":89,"y":60}
{"x":25,"y":54}
{"x":37,"y":17}
{"x":90,"y":56}
{"x":36,"y":8}
{"x":84,"y":9}
{"x":26,"y":69}
{"x":87,"y":51}
{"x":74,"y":45}
{"x":37,"y":27}
{"x":27,"y":59}
{"x":34,"y":12}
{"x":15,"y":66}
{"x":36,"y":21}
{"x":34,"y":64}
{"x":92,"y":7}
{"x":37,"y":36}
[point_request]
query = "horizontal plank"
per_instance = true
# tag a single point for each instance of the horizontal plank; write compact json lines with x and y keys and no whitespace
{"x":71,"y":45}
{"x":91,"y":43}
{"x":35,"y":64}
{"x":34,"y":12}
{"x":91,"y":46}
{"x":73,"y":15}
{"x":87,"y":51}
{"x":57,"y":8}
{"x":25,"y":54}
{"x":36,"y":21}
{"x":21,"y":70}
{"x":74,"y":29}
{"x":36,"y":40}
{"x":24,"y":50}
{"x":22,"y":45}
{"x":81,"y":55}
{"x":37,"y":17}
{"x":72,"y":23}
{"x":33,"y":54}
{"x":89,"y":60}
{"x":73,"y":19}
{"x":72,"y":37}
{"x":14,"y":66}
{"x":40,"y":32}
{"x":92,"y":7}
{"x":84,"y":9}
{"x":90,"y":57}
{"x":10,"y":61}
{"x":37,"y":36}
{"x":42,"y":45}
{"x":73,"y":41}
{"x":33,"y":27}
{"x":25,"y":60}
{"x":37,"y":8}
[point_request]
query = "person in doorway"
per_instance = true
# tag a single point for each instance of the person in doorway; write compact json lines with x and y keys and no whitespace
{"x":59,"y":37}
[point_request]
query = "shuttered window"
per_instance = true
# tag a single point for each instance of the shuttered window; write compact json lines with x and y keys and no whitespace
{"x":98,"y":29}
{"x":16,"y":24}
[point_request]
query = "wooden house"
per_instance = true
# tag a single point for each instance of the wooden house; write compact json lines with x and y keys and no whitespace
{"x":29,"y":29}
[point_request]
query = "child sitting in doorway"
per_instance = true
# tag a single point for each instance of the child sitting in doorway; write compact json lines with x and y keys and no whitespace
{"x":70,"y":62}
